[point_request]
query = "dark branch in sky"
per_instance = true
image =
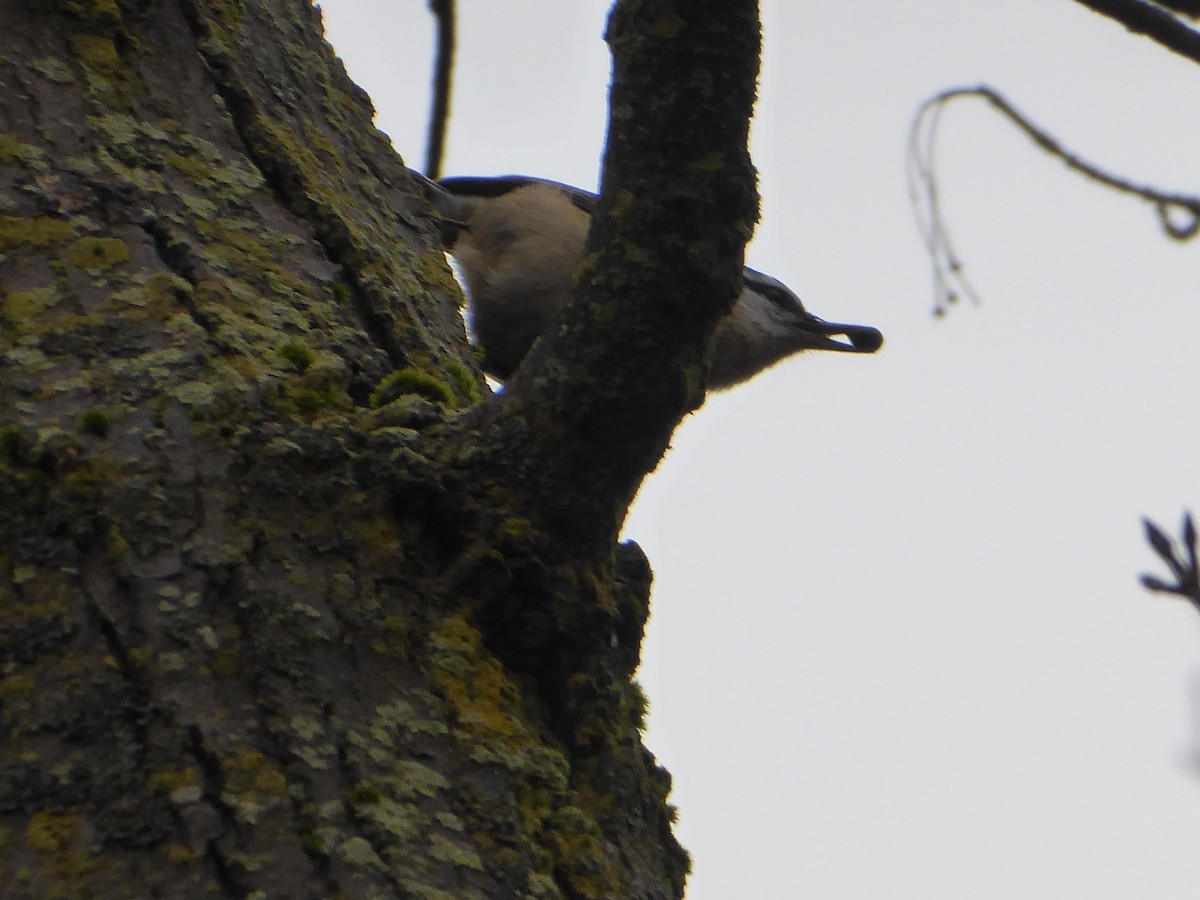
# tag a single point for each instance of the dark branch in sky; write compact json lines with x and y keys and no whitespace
{"x":1154,"y":22}
{"x":1183,"y":7}
{"x":443,"y":69}
{"x":1180,"y":559}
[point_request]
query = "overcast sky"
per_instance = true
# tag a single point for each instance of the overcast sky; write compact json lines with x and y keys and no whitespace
{"x":898,"y":648}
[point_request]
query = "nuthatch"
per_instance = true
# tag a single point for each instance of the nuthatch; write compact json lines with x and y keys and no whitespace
{"x":518,"y":241}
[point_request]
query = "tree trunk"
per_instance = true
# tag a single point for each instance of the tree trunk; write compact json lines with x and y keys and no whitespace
{"x":286,"y":608}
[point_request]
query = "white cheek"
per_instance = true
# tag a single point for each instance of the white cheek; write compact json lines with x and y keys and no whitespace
{"x":754,"y":314}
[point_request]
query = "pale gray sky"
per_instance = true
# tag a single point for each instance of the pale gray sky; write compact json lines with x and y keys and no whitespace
{"x":898,"y":648}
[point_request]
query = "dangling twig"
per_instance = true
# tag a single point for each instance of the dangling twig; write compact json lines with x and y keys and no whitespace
{"x":1178,"y":214}
{"x":949,"y":281}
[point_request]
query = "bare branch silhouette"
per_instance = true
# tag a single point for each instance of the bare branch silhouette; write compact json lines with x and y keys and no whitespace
{"x":1181,"y":560}
{"x":1183,"y":7}
{"x":1178,"y":214}
{"x":1155,"y":22}
{"x":443,"y":71}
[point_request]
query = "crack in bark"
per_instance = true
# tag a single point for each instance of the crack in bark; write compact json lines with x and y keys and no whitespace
{"x":181,"y":260}
{"x":287,"y":180}
{"x":139,"y":691}
{"x":210,"y":769}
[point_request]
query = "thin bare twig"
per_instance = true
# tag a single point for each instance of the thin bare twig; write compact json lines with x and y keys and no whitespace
{"x":948,"y":278}
{"x":443,"y":70}
{"x":1178,"y":214}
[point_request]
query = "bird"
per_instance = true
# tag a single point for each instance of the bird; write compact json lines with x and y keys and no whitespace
{"x":518,"y":240}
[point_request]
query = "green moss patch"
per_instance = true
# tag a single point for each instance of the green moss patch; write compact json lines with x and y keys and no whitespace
{"x":412,"y":381}
{"x":298,"y":354}
{"x":95,"y":421}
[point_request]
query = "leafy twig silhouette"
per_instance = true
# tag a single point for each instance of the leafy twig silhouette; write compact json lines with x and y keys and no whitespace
{"x":1181,"y":560}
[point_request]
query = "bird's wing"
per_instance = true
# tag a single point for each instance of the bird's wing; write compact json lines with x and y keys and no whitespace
{"x":498,"y":185}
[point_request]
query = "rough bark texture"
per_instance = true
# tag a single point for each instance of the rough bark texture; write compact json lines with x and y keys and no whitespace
{"x":285,"y":609}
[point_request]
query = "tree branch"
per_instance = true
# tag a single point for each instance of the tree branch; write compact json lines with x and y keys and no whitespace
{"x":443,"y":70}
{"x":592,"y":408}
{"x":1183,"y":7}
{"x":1154,"y":22}
{"x":1180,"y":560}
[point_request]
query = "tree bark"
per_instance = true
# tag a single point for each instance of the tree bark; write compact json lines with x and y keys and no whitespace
{"x":287,"y":608}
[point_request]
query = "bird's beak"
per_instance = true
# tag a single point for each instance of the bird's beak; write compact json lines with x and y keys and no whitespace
{"x":854,"y":338}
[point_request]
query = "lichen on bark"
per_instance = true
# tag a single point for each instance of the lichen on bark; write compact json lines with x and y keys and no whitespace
{"x":289,"y":605}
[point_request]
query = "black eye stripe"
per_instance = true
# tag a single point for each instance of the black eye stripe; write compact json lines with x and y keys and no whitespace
{"x":776,"y":293}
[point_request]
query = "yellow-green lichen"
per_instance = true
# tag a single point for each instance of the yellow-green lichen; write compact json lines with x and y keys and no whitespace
{"x":53,"y":68}
{"x":22,"y":574}
{"x":475,"y":685}
{"x":190,"y":166}
{"x":447,"y":850}
{"x":251,"y":253}
{"x":80,"y":165}
{"x":25,"y":306}
{"x":103,"y":13}
{"x":403,"y":822}
{"x":50,"y":833}
{"x":181,"y":853}
{"x":95,"y":254}
{"x":376,"y":534}
{"x":96,"y":52}
{"x":316,"y":138}
{"x":16,"y":231}
{"x":517,"y":529}
{"x":358,"y":852}
{"x":115,"y":543}
{"x":578,"y":854}
{"x":171,"y":780}
{"x":244,"y":768}
{"x":195,"y":394}
{"x":139,"y":178}
{"x":16,"y":688}
{"x":253,"y":783}
{"x":13,"y":151}
{"x":159,"y":296}
{"x":392,"y":637}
